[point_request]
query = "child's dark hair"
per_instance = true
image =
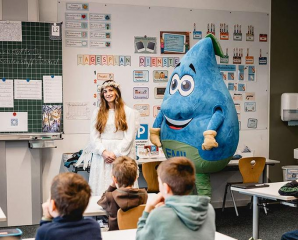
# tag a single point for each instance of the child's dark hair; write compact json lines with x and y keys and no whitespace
{"x":179,"y":174}
{"x":71,"y":194}
{"x":125,"y":171}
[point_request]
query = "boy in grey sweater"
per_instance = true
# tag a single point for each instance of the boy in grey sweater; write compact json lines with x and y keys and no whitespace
{"x":173,"y":213}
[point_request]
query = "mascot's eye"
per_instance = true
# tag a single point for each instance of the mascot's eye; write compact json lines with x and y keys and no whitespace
{"x":174,"y":84}
{"x":187,"y":85}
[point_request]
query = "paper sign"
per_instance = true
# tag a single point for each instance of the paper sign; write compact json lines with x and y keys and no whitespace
{"x":76,"y":43}
{"x":77,"y":6}
{"x":76,"y":16}
{"x":143,"y":109}
{"x":100,"y":44}
{"x":174,"y":43}
{"x":14,"y":122}
{"x":52,"y":89}
{"x":141,"y":76}
{"x":6,"y":94}
{"x":237,"y":97}
{"x":100,"y":17}
{"x":76,"y":34}
{"x":100,"y":26}
{"x":250,"y":96}
{"x":78,"y":111}
{"x":100,"y":35}
{"x":76,"y":25}
{"x":105,"y":76}
{"x":238,"y":107}
{"x":24,"y":89}
{"x":140,"y":92}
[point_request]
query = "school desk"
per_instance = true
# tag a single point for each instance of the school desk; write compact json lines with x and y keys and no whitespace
{"x":131,"y":235}
{"x":270,"y":192}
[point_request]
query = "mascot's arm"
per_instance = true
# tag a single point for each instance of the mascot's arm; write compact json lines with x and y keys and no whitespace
{"x":211,"y":132}
{"x":155,"y":131}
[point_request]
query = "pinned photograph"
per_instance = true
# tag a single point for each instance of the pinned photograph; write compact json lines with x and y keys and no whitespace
{"x":231,"y":76}
{"x":51,"y":118}
{"x":145,"y":44}
{"x":252,"y":123}
{"x":250,"y":106}
{"x":241,"y":87}
{"x":160,"y":76}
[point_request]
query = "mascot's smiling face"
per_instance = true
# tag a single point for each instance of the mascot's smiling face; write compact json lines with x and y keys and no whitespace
{"x":194,"y":93}
{"x":195,"y":89}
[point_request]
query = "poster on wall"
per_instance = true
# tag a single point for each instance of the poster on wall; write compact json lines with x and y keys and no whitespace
{"x":174,"y":42}
{"x":160,"y":76}
{"x":145,"y":44}
{"x":51,"y":118}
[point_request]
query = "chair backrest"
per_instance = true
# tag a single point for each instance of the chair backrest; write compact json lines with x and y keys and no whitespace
{"x":150,"y":175}
{"x":251,"y":168}
{"x":130,"y":218}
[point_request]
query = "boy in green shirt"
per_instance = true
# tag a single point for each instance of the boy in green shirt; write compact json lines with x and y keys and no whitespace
{"x":173,"y":213}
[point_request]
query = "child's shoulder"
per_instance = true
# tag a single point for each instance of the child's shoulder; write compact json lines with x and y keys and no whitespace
{"x":162,"y":213}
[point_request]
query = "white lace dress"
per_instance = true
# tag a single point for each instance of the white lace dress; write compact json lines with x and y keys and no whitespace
{"x":121,"y":143}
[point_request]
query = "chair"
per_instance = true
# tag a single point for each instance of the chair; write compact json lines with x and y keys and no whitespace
{"x":251,"y":169}
{"x":130,"y":218}
{"x":150,"y":175}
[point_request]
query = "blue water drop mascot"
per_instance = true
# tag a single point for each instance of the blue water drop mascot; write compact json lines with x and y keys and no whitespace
{"x":198,"y":118}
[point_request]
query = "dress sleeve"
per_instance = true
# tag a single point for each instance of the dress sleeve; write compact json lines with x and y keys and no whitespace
{"x":95,"y":138}
{"x":132,"y":119}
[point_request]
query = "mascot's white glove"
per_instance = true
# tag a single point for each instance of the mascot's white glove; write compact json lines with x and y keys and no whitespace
{"x":209,"y":140}
{"x":154,"y":136}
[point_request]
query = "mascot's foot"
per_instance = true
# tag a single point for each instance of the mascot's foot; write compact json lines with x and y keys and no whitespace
{"x":203,"y":184}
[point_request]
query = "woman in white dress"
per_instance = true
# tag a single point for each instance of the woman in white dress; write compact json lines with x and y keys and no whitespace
{"x":112,"y":134}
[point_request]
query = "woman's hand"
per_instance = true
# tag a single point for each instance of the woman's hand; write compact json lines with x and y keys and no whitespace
{"x":108,"y":157}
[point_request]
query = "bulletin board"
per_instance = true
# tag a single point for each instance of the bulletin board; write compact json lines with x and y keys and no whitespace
{"x":99,"y":44}
{"x":28,"y":60}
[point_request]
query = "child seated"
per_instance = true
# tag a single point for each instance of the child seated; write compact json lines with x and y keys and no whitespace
{"x":63,"y":212}
{"x":172,"y":213}
{"x":121,"y":193}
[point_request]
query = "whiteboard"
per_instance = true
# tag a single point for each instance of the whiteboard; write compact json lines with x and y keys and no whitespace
{"x":127,"y":22}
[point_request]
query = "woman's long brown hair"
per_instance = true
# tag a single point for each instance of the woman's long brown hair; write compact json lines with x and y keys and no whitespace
{"x":103,"y":113}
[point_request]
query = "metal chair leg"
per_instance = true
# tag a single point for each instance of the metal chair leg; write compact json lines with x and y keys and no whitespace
{"x":265,"y":208}
{"x":236,"y":210}
{"x":225,"y":196}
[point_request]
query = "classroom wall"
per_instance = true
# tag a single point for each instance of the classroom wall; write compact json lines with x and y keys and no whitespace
{"x":284,"y":79}
{"x":73,"y":142}
{"x":48,"y":8}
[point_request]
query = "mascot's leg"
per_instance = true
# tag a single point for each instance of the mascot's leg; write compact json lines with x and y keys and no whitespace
{"x":203,"y":184}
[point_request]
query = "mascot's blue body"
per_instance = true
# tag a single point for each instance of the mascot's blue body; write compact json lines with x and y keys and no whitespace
{"x":198,"y":118}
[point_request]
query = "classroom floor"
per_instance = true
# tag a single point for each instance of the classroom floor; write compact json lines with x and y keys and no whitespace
{"x":280,"y":219}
